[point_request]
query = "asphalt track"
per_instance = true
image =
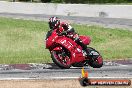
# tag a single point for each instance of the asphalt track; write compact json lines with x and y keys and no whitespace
{"x":110,"y":69}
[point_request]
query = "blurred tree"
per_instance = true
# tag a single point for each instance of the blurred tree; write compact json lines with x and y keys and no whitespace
{"x":57,"y":1}
{"x":75,"y":1}
{"x":82,"y":1}
{"x":129,"y":0}
{"x":24,"y":0}
{"x":45,"y":1}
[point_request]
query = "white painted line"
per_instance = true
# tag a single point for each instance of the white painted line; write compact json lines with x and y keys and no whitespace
{"x":16,"y":78}
{"x":110,"y":77}
{"x":64,"y":78}
{"x":92,"y":77}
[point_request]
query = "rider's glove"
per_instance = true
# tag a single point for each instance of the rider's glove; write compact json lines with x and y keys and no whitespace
{"x":76,"y":38}
{"x":65,"y":26}
{"x":63,"y":33}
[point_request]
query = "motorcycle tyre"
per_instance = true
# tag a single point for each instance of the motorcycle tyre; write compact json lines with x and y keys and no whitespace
{"x":95,"y":64}
{"x":58,"y":63}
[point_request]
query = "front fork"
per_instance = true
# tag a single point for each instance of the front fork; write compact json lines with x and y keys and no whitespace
{"x":92,"y":55}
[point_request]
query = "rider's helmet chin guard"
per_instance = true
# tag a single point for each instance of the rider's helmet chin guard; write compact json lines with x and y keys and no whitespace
{"x":54,"y":22}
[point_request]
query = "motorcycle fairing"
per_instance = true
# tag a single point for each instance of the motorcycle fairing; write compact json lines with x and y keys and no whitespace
{"x":75,"y":50}
{"x":85,"y":39}
{"x":57,"y":48}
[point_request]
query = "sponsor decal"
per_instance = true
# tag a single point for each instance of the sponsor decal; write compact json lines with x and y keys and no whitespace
{"x":85,"y":81}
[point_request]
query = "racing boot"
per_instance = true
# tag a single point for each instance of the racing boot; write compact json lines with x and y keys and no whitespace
{"x":84,"y":47}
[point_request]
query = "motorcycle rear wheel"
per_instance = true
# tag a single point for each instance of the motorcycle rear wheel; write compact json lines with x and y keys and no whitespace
{"x":59,"y":60}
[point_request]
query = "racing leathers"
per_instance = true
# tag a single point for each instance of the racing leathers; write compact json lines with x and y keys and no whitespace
{"x":66,"y":29}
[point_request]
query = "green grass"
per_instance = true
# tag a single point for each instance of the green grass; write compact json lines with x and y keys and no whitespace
{"x":22,"y":41}
{"x":112,"y":43}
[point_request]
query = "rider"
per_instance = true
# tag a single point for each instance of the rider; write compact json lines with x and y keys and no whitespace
{"x":66,"y":29}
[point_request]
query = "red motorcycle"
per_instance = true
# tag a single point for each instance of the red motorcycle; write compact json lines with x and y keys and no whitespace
{"x":66,"y":53}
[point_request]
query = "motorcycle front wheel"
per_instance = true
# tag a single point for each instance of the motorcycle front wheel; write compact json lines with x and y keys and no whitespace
{"x":61,"y":59}
{"x":95,"y":59}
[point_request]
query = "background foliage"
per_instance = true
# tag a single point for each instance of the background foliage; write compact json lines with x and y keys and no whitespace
{"x":78,"y":1}
{"x":91,"y":1}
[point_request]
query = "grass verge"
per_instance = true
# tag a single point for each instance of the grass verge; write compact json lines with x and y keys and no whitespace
{"x":22,"y":41}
